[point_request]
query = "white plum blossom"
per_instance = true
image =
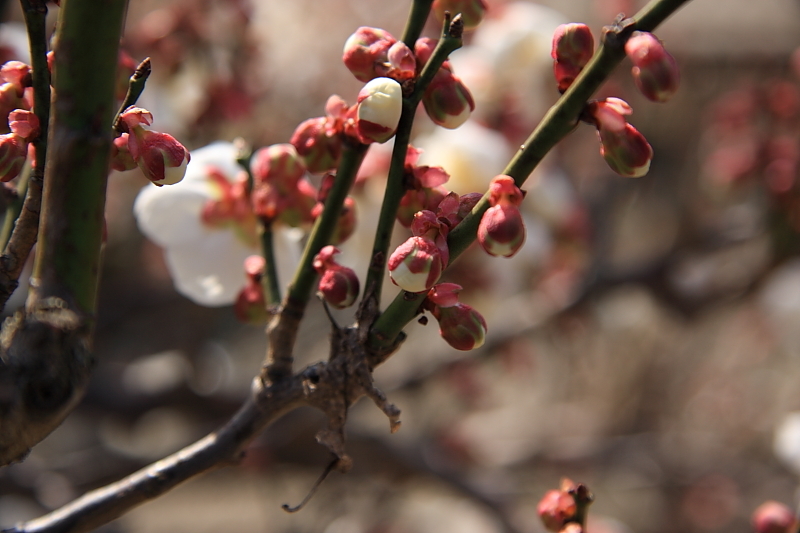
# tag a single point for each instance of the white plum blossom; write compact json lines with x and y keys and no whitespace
{"x":205,"y":260}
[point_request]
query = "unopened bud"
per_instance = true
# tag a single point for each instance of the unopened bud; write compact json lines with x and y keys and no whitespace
{"x":160,"y":156}
{"x":250,"y":306}
{"x":627,"y":152}
{"x":772,"y":517}
{"x":365,"y":52}
{"x":472,"y":11}
{"x":573,"y":47}
{"x":402,"y":63}
{"x":380,"y":104}
{"x":447,"y":100}
{"x":338,"y":285}
{"x":555,"y":508}
{"x":278,"y":164}
{"x":416,"y":264}
{"x":317,"y":144}
{"x":501,"y":231}
{"x":654,"y":69}
{"x":461,"y":326}
{"x":13,"y":152}
{"x":24,"y":123}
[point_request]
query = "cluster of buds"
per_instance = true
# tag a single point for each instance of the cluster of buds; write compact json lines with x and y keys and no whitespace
{"x":625,"y":150}
{"x":280,"y":190}
{"x":425,"y":187}
{"x":160,"y":157}
{"x":655,"y":71}
{"x":14,"y":146}
{"x":231,"y":206}
{"x":501,"y":231}
{"x":773,"y":517}
{"x":250,"y":306}
{"x":558,"y":509}
{"x":459,"y":324}
{"x":338,"y":285}
{"x":318,"y":140}
{"x":373,"y":53}
{"x":417,"y":263}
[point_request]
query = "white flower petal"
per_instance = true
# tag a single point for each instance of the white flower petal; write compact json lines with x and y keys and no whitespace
{"x":209,"y":272}
{"x":170,"y":216}
{"x":220,"y":155}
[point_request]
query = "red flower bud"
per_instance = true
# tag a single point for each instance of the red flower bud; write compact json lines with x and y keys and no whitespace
{"x":317,"y":144}
{"x":402,"y":63}
{"x":573,"y":47}
{"x":501,"y":231}
{"x":555,"y":508}
{"x":338,"y":285}
{"x":13,"y":152}
{"x":365,"y":52}
{"x":447,"y":100}
{"x":17,"y":74}
{"x":654,"y":70}
{"x":277,"y":164}
{"x":416,"y":264}
{"x":424,"y":48}
{"x":24,"y":123}
{"x":160,"y":157}
{"x":772,"y":517}
{"x":250,"y":306}
{"x":461,"y":326}
{"x":625,"y":150}
{"x":380,"y":104}
{"x":121,"y":158}
{"x":472,"y":11}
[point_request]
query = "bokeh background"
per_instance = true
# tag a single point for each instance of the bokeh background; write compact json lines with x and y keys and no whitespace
{"x":645,"y":341}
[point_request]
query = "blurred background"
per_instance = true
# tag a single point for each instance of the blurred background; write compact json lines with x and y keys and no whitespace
{"x":645,"y":340}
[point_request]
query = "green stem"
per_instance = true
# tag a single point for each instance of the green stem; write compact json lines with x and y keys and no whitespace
{"x":560,"y":120}
{"x":395,"y":184}
{"x":15,"y":208}
{"x":272,"y":290}
{"x":282,"y":330}
{"x":86,"y":50}
{"x":416,"y":21}
{"x":135,"y":89}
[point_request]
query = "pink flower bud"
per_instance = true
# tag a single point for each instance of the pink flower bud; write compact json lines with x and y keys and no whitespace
{"x":17,"y":74}
{"x":447,"y":100}
{"x":121,"y":158}
{"x":338,"y":285}
{"x":279,"y":163}
{"x":627,"y":152}
{"x":444,"y":294}
{"x":13,"y":152}
{"x":461,"y":326}
{"x":654,"y":70}
{"x":317,"y":144}
{"x":416,"y":264}
{"x":424,"y":48}
{"x":573,"y":47}
{"x":365,"y":52}
{"x":772,"y":517}
{"x":24,"y":123}
{"x":402,"y":63}
{"x":250,"y":306}
{"x":161,"y":158}
{"x":380,"y":104}
{"x":501,"y":231}
{"x":419,"y":200}
{"x":472,"y":11}
{"x":555,"y":508}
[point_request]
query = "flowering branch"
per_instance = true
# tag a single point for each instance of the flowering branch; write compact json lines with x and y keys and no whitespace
{"x":559,"y":121}
{"x":23,"y":237}
{"x":395,"y":188}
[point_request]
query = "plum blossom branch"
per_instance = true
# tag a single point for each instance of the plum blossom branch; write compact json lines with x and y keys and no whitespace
{"x":559,"y":121}
{"x":22,"y":238}
{"x":416,"y":21}
{"x":450,"y":41}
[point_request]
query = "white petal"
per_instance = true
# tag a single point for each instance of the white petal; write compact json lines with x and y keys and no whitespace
{"x":209,"y":272}
{"x":170,"y":216}
{"x":221,"y":155}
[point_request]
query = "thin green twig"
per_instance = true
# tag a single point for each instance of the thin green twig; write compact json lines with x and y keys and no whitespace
{"x":135,"y":89}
